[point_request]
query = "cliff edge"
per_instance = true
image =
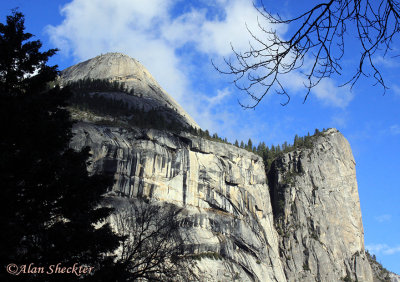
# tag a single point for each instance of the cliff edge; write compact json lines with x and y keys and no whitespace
{"x":317,"y":212}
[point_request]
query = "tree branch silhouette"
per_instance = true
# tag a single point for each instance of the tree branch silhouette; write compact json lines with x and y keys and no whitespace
{"x":315,"y":47}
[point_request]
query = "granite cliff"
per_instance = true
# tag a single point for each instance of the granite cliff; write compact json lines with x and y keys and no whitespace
{"x":299,"y":222}
{"x":222,"y":188}
{"x":317,"y":212}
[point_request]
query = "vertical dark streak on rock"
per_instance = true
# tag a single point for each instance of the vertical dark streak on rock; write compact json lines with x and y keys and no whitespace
{"x":184,"y":188}
{"x":272,"y":177}
{"x":152,"y":187}
{"x":141,"y":182}
{"x":162,"y":162}
{"x":154,"y":163}
{"x":133,"y":171}
{"x":168,"y":161}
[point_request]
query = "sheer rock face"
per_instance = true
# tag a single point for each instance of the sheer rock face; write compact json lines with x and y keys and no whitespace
{"x":317,"y":212}
{"x":147,"y":93}
{"x":222,"y":188}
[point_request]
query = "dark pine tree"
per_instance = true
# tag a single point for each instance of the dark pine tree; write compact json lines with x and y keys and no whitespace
{"x":249,"y":145}
{"x":49,"y":203}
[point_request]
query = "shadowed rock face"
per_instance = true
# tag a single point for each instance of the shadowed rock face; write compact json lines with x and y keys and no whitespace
{"x":317,"y":212}
{"x":222,"y":188}
{"x":122,"y":68}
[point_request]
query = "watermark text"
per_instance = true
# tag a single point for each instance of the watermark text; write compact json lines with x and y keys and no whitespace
{"x":58,"y":268}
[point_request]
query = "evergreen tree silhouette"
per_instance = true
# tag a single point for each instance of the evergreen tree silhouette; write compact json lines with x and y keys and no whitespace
{"x":49,"y":203}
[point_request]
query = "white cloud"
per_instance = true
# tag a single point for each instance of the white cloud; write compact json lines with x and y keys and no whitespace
{"x":331,"y":94}
{"x":216,"y":35}
{"x":221,"y":95}
{"x":395,"y":129}
{"x":383,"y":218}
{"x":383,"y":249}
{"x":386,"y":61}
{"x":327,"y":92}
{"x":395,"y":88}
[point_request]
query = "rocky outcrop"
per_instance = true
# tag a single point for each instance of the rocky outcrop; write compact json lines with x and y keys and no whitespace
{"x":317,"y":212}
{"x":146,"y":92}
{"x":222,"y":188}
{"x":379,"y":272}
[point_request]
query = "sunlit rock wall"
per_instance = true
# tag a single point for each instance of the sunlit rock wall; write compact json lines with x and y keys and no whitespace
{"x":223,"y":189}
{"x":317,"y":212}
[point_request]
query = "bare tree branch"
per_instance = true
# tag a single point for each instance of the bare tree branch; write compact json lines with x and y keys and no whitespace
{"x":153,"y":248}
{"x":316,"y":47}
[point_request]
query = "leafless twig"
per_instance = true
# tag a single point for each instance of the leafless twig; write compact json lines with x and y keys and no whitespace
{"x":320,"y":39}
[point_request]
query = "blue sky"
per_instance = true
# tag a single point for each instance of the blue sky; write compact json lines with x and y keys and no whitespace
{"x":176,"y":41}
